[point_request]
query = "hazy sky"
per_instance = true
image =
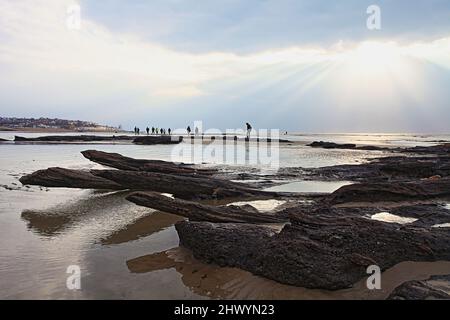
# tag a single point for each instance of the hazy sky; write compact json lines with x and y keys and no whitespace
{"x":310,"y":66}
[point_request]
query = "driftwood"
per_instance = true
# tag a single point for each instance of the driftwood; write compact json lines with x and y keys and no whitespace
{"x":392,"y":191}
{"x":201,"y":212}
{"x":67,"y":178}
{"x":118,"y":161}
{"x":316,"y":251}
{"x":421,"y":290}
{"x":181,"y":186}
{"x":396,"y":168}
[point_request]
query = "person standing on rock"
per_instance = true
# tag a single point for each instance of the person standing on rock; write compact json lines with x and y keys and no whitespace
{"x":249,"y":130}
{"x":153,"y":130}
{"x":148,"y":130}
{"x":169,"y":131}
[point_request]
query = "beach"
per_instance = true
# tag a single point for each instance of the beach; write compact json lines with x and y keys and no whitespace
{"x":132,"y":252}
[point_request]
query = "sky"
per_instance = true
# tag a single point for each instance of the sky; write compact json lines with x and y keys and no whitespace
{"x":303,"y":65}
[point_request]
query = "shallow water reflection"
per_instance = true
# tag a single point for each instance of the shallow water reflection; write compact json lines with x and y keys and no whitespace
{"x":232,"y":283}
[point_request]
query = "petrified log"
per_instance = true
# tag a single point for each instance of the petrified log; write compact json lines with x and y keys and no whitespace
{"x":385,"y":169}
{"x":66,"y":178}
{"x":185,"y":187}
{"x":391,"y":191}
{"x":118,"y":161}
{"x":421,"y":290}
{"x":316,"y":251}
{"x":201,"y":212}
{"x":149,"y":140}
{"x":84,"y":138}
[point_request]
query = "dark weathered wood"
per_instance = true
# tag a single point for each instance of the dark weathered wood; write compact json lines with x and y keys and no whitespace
{"x":421,"y":290}
{"x":121,"y":162}
{"x":201,"y":212}
{"x":316,"y":251}
{"x":185,"y":187}
{"x":66,"y":178}
{"x":392,"y":191}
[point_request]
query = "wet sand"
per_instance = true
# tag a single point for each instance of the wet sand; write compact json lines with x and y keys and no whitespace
{"x":231,"y":283}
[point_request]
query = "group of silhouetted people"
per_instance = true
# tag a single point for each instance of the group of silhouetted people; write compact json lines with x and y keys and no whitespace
{"x":162,"y":131}
{"x":154,"y":130}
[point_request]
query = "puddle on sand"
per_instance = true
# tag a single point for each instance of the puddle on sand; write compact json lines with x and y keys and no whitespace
{"x":310,"y":186}
{"x":261,"y":205}
{"x":231,"y":283}
{"x":392,"y":218}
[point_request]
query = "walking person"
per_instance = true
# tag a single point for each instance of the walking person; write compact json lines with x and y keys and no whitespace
{"x":249,"y":130}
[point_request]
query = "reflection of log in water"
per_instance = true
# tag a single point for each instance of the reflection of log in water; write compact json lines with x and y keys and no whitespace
{"x":57,"y":219}
{"x":232,"y":283}
{"x":142,"y":227}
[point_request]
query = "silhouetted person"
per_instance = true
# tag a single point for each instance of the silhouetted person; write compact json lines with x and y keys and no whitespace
{"x":138,"y":131}
{"x":153,"y":130}
{"x":249,"y":130}
{"x":169,"y":131}
{"x":148,"y":130}
{"x":188,"y":129}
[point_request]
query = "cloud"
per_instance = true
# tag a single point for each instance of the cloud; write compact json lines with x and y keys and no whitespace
{"x":255,"y":25}
{"x":121,"y":76}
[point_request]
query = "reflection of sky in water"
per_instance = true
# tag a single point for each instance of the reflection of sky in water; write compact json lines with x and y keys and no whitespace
{"x":261,"y":205}
{"x":310,"y":186}
{"x":389,"y":217}
{"x":442,"y":225}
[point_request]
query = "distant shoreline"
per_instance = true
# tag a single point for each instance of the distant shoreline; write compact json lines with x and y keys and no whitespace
{"x":56,"y":130}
